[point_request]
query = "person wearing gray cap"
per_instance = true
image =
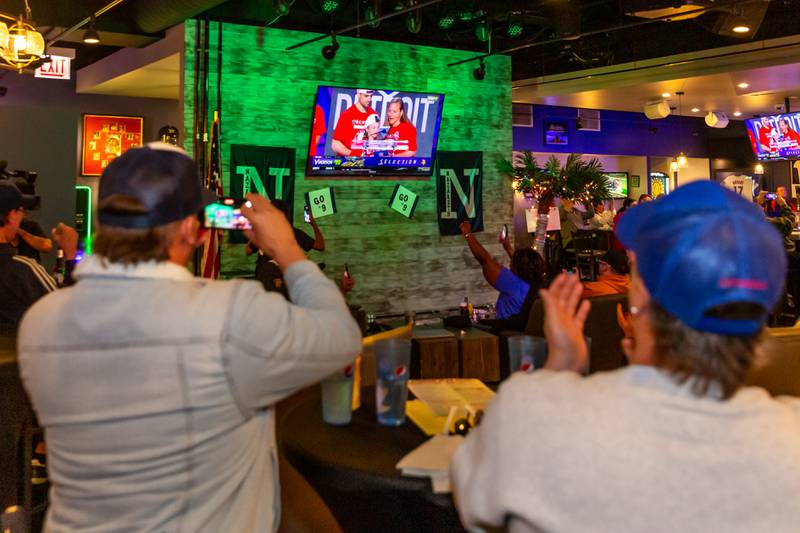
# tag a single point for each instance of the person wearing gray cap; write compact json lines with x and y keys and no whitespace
{"x":157,"y":389}
{"x":22,"y":279}
{"x":673,"y":442}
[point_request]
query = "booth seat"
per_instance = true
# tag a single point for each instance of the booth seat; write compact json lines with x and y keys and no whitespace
{"x":777,"y":366}
{"x":601,"y":326}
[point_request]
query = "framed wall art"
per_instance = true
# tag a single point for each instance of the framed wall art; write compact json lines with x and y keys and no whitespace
{"x":106,"y":137}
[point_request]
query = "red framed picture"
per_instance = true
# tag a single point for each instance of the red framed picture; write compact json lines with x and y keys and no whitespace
{"x":106,"y":137}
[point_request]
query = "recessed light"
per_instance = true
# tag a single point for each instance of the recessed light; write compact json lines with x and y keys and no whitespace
{"x":743,"y":85}
{"x":695,"y":110}
{"x":741,"y":28}
{"x":665,"y":95}
{"x":737,"y":113}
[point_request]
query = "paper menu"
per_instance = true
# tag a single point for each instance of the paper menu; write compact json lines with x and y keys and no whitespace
{"x":441,"y":394}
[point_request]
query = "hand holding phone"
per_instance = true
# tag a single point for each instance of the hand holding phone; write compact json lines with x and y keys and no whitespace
{"x":504,"y":233}
{"x":306,"y":214}
{"x":346,"y":271}
{"x":225,"y":214}
{"x":271,"y":231}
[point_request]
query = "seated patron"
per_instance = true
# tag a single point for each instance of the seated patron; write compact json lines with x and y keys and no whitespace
{"x":156,"y":390}
{"x":673,"y":441}
{"x":613,"y":277}
{"x":603,"y":218}
{"x":518,"y":285}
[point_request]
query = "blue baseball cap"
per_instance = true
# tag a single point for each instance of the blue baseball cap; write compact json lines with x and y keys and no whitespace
{"x":701,"y":247}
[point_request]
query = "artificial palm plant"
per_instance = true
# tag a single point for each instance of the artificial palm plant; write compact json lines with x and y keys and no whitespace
{"x":577,"y":179}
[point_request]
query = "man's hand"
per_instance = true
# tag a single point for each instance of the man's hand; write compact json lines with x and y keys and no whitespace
{"x":563,"y":324}
{"x":465,"y":227}
{"x":271,"y":231}
{"x":66,"y":238}
{"x":346,"y":284}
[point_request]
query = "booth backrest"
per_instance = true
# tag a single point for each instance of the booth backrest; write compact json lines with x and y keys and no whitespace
{"x":777,"y":367}
{"x":601,"y":326}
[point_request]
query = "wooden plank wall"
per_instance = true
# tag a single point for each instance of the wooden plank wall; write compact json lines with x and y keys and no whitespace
{"x":399,"y":265}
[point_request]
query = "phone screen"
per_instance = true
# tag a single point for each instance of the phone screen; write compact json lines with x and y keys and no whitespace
{"x":306,"y":215}
{"x":225,"y":214}
{"x":346,"y":271}
{"x":504,"y":232}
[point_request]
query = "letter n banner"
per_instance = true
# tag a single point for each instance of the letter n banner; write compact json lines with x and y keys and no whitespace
{"x":459,"y":190}
{"x":266,"y":170}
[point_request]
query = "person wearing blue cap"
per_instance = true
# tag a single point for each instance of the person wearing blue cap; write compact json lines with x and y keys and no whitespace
{"x":157,"y":389}
{"x":674,"y":441}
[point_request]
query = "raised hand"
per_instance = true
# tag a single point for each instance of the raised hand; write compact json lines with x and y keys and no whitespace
{"x":564,"y":317}
{"x":271,"y":231}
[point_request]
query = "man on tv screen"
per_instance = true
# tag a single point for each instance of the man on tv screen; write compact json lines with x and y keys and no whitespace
{"x":351,"y":124}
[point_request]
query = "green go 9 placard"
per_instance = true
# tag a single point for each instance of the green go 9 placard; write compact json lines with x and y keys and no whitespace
{"x":404,"y":201}
{"x":322,"y":202}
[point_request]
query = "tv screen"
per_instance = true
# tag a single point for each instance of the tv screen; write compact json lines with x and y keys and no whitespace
{"x":775,"y":137}
{"x":617,"y":184}
{"x":373,"y":132}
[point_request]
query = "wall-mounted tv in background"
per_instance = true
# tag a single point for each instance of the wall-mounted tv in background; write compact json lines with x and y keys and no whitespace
{"x":617,"y":184}
{"x":775,"y":137}
{"x":373,"y":132}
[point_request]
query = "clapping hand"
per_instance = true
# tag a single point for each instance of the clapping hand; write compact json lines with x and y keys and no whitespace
{"x":465,"y":227}
{"x":565,"y":316}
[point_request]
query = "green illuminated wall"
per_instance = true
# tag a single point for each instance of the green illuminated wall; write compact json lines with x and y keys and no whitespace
{"x":268,"y":95}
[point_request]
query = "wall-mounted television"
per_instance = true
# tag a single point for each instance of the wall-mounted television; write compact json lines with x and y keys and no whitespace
{"x":373,"y":132}
{"x":775,"y":136}
{"x":617,"y":184}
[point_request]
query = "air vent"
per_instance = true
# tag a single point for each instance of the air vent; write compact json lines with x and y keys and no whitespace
{"x":522,"y":115}
{"x":588,"y":120}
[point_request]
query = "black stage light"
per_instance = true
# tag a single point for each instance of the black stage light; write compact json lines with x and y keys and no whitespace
{"x":480,"y":72}
{"x":329,"y":51}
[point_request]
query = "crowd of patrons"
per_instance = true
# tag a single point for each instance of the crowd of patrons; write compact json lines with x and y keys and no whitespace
{"x":157,"y":390}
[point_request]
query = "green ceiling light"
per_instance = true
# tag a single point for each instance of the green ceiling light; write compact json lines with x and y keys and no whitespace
{"x":482,"y":30}
{"x":329,"y":6}
{"x":514,"y":26}
{"x":447,"y":22}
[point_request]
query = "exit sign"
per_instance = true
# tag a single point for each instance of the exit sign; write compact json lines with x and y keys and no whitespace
{"x":57,"y":69}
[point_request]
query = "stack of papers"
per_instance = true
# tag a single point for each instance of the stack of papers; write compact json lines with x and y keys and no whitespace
{"x":432,"y":459}
{"x":436,"y":397}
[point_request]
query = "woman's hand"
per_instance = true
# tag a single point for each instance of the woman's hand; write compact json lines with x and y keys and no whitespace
{"x":564,"y":317}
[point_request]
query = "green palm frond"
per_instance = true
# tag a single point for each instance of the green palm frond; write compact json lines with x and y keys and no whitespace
{"x":576,"y":179}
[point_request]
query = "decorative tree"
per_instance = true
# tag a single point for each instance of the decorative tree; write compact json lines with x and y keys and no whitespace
{"x":576,"y":179}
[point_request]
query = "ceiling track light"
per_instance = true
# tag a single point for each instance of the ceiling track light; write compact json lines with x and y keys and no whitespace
{"x":372,"y":12}
{"x":90,"y":36}
{"x":329,"y":51}
{"x":480,"y":72}
{"x":282,"y":7}
{"x":483,"y":30}
{"x":414,"y":19}
{"x":329,"y":6}
{"x":515,"y":25}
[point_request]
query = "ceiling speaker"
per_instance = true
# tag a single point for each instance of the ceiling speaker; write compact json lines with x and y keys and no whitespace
{"x":716,"y":119}
{"x":656,"y":110}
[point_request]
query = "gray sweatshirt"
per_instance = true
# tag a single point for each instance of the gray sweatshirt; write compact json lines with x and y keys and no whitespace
{"x":629,"y":450}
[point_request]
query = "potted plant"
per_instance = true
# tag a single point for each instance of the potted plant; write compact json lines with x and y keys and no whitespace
{"x":577,"y":179}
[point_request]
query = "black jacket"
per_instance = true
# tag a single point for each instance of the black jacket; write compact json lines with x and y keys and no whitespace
{"x":22,"y":282}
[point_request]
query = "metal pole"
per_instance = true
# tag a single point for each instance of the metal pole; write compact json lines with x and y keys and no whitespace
{"x":362,"y":24}
{"x":83,"y":22}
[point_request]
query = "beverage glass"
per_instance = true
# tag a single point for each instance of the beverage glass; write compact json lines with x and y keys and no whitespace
{"x":392,"y":358}
{"x":337,"y":397}
{"x":526,"y":353}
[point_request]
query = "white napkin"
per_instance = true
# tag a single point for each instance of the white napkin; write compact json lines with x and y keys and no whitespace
{"x":432,"y":459}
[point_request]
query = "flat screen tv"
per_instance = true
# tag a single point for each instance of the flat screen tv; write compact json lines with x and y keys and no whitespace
{"x":775,"y":137}
{"x":373,"y":132}
{"x":617,"y":184}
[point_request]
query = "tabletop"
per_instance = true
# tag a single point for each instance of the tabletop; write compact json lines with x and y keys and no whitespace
{"x":353,"y":467}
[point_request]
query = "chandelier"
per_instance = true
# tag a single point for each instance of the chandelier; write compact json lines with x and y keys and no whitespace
{"x":20,"y":44}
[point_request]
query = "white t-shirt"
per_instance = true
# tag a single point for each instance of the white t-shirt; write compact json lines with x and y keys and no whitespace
{"x":629,"y":450}
{"x":741,"y":185}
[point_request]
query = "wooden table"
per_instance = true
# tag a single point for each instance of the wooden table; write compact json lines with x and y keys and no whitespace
{"x":451,"y":353}
{"x":478,"y":354}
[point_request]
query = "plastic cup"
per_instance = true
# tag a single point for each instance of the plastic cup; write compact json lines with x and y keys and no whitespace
{"x":392,"y":358}
{"x":337,"y":397}
{"x":526,"y":353}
